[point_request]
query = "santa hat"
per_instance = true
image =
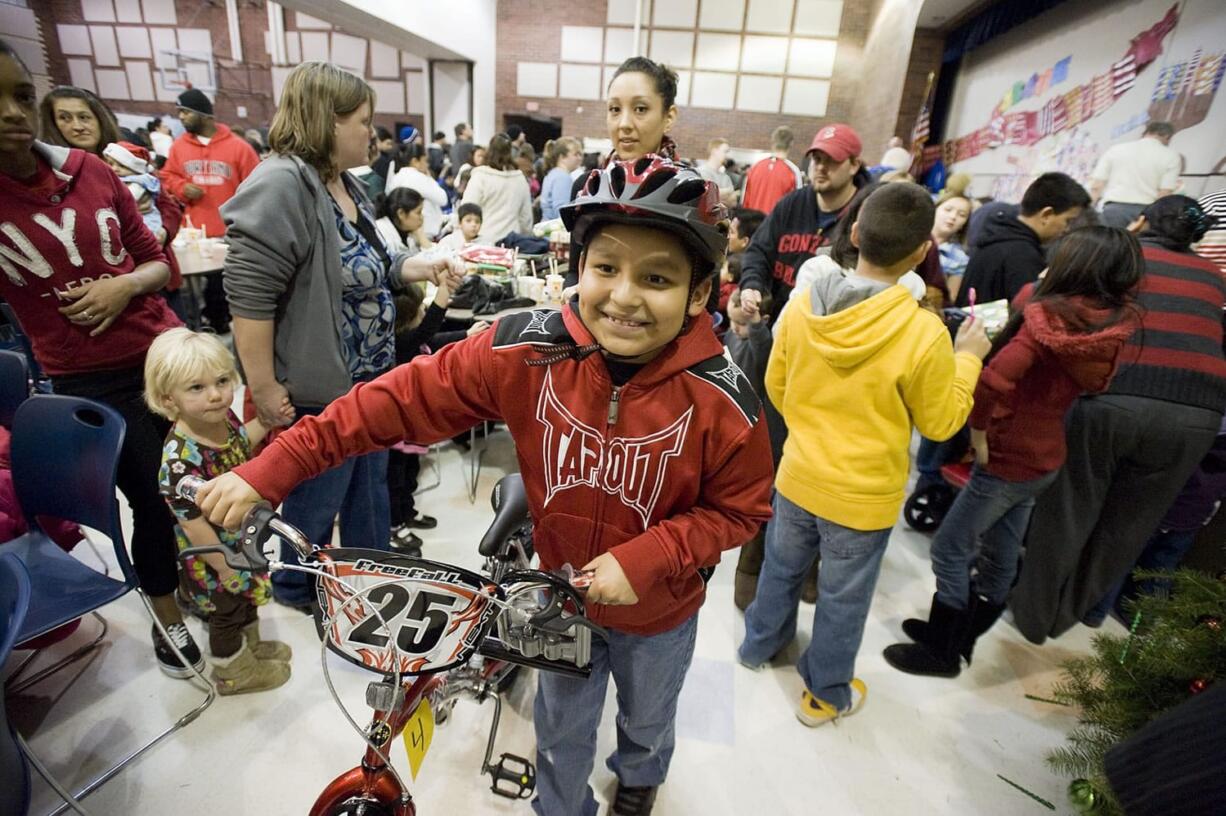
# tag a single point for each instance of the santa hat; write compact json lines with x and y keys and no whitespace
{"x":132,"y":156}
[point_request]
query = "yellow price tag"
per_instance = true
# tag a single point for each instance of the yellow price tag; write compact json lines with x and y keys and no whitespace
{"x":417,"y":735}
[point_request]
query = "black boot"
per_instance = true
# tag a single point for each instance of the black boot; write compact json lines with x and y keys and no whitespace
{"x":917,"y":628}
{"x":983,"y":616}
{"x":939,"y":654}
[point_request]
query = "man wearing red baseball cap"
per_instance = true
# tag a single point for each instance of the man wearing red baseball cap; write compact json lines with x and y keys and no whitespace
{"x":801,"y":222}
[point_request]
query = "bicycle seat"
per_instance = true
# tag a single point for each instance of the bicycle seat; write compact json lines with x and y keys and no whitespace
{"x":510,"y":502}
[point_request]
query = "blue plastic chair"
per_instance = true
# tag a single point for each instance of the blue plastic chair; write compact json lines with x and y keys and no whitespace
{"x":18,"y":341}
{"x":65,"y":456}
{"x":14,"y":384}
{"x":14,"y":600}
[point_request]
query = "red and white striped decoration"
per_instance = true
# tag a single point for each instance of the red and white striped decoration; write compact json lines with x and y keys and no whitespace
{"x":1123,"y":75}
{"x":1103,"y":95}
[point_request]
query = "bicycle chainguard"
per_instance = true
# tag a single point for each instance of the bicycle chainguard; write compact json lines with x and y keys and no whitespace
{"x":512,"y":777}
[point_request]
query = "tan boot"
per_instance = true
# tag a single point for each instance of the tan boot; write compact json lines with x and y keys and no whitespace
{"x":266,"y":649}
{"x":245,"y":674}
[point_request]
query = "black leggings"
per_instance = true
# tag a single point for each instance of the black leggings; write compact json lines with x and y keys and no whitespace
{"x":402,"y":470}
{"x":154,"y":552}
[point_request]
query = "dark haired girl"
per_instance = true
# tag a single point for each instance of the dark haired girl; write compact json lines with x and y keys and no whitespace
{"x":1134,"y":447}
{"x":84,"y":293}
{"x":642,"y":106}
{"x":400,"y":220}
{"x":1063,"y":340}
{"x":413,"y":171}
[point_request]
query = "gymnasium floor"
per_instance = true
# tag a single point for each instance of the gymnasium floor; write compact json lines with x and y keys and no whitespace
{"x":919,"y":746}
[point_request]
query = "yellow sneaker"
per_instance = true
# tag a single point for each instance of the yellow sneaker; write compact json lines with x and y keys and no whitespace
{"x":814,"y":712}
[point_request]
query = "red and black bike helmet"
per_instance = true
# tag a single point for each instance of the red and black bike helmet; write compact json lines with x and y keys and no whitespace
{"x":655,"y":192}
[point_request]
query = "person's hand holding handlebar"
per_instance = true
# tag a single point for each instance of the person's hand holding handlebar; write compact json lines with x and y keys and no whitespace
{"x":226,"y":500}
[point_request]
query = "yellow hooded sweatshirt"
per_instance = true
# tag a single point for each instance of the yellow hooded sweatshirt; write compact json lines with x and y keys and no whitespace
{"x":854,"y":365}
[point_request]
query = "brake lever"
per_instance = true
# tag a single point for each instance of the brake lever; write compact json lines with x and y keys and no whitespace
{"x":569,"y":585}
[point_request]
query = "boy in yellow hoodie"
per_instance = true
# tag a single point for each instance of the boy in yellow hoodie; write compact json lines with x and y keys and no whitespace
{"x":856,"y":363}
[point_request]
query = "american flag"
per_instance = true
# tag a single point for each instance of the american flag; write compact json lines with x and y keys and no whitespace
{"x":1103,"y":96}
{"x":996,"y":131}
{"x":1015,"y":128}
{"x":1046,"y":124}
{"x":923,"y":120}
{"x":1059,"y":114}
{"x":1072,"y":105}
{"x":920,"y":133}
{"x":1123,"y":75}
{"x":1191,"y":68}
{"x":1167,"y":86}
{"x":1209,"y":75}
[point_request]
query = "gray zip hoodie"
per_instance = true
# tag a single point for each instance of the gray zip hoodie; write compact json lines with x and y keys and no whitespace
{"x":284,"y":265}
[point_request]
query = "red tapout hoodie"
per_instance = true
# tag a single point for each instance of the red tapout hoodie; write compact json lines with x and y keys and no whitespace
{"x":1025,"y":391}
{"x":76,"y":225}
{"x":665,"y":472}
{"x":217,"y":168}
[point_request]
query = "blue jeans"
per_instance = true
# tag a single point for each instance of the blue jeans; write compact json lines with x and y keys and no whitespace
{"x":932,"y":455}
{"x":988,"y":520}
{"x":851,"y":562}
{"x":357,"y":490}
{"x":648,"y":671}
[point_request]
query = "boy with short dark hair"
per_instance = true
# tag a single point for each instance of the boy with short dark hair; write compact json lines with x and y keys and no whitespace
{"x":855,"y":364}
{"x":642,"y":450}
{"x":469,"y":218}
{"x":745,"y":223}
{"x":1008,"y":250}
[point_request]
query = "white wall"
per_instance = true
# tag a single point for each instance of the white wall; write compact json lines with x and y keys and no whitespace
{"x":455,"y":28}
{"x":1095,"y":33}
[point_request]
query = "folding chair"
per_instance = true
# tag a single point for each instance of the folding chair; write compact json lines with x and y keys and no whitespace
{"x":14,"y":600}
{"x":14,"y":390}
{"x":14,"y":384}
{"x":65,"y":456}
{"x":20,"y":343}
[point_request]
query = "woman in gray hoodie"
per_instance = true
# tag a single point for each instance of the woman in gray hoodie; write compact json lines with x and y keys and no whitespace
{"x":310,"y":284}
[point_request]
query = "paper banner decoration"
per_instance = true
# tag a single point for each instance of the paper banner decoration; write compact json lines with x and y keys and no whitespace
{"x":1185,"y":91}
{"x":1199,"y":77}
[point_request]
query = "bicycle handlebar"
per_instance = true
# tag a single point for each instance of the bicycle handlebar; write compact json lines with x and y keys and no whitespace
{"x":536,"y":637}
{"x":260,"y":524}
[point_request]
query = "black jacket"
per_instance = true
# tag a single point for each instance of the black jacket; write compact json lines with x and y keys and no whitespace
{"x":790,"y":235}
{"x":1007,"y":255}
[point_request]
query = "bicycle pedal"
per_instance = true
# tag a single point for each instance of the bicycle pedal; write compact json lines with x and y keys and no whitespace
{"x":512,"y":777}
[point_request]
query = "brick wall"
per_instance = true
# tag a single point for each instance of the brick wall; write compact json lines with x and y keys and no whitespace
{"x":247,"y":84}
{"x":926,"y":51}
{"x":530,"y":31}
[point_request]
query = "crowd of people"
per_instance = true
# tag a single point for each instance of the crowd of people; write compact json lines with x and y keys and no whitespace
{"x":845,"y":296}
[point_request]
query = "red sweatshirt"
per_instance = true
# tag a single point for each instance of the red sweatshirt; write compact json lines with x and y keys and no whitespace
{"x":664,"y":472}
{"x":217,"y":168}
{"x":75,"y":222}
{"x":1025,"y":391}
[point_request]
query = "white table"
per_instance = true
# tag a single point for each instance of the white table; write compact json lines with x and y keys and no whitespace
{"x":193,"y":262}
{"x":194,"y":265}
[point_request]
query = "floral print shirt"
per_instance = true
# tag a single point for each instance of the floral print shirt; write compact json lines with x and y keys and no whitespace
{"x":183,"y":456}
{"x":367,"y":306}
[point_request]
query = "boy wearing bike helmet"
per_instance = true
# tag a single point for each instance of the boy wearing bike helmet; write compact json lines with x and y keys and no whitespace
{"x":642,"y":450}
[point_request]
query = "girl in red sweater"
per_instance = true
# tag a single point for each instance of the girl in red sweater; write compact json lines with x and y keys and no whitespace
{"x":81,"y":271}
{"x":1062,"y":340}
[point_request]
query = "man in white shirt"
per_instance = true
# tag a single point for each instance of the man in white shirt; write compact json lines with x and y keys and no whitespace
{"x":1132,"y":175}
{"x":713,"y":170}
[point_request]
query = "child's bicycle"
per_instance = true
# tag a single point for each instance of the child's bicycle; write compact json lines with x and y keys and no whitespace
{"x":432,"y":632}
